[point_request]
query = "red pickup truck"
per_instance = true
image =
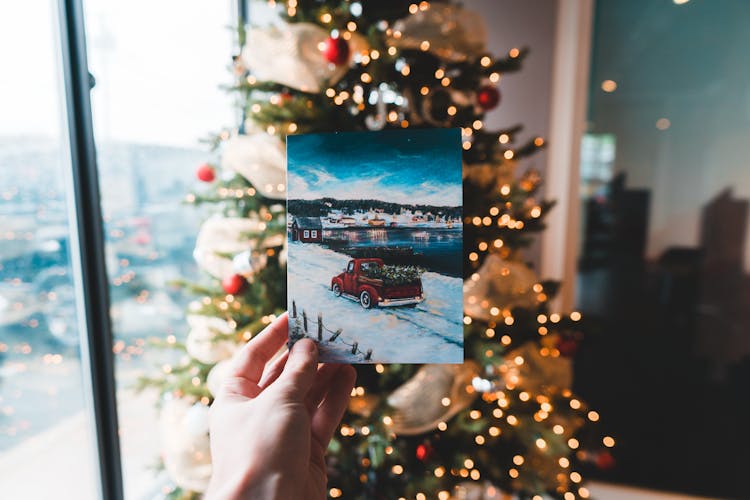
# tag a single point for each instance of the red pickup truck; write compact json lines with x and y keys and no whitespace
{"x":358,"y":283}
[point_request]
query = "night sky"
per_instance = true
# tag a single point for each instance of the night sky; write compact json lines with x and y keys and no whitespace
{"x":405,"y":166}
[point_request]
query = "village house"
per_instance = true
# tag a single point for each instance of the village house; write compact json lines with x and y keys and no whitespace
{"x":307,"y":230}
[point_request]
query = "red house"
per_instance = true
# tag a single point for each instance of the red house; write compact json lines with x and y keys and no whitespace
{"x":307,"y":230}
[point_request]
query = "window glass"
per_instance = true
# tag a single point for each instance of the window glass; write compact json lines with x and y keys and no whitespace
{"x":664,"y":256}
{"x":158,"y":67}
{"x":45,"y":427}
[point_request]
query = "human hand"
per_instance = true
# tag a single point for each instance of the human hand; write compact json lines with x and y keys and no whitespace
{"x":272,"y":422}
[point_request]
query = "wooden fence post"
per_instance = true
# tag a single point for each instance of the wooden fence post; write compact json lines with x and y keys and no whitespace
{"x":354,"y":348}
{"x":368,"y":355}
{"x":294,"y":309}
{"x":304,"y":321}
{"x":335,"y":335}
{"x":320,"y":326}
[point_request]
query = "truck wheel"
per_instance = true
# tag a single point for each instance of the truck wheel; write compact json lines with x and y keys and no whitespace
{"x":365,"y":299}
{"x":336,"y":289}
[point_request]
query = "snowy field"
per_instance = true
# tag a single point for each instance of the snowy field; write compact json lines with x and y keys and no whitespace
{"x":431,"y":332}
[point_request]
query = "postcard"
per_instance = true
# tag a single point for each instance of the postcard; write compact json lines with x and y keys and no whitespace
{"x":374,"y":227}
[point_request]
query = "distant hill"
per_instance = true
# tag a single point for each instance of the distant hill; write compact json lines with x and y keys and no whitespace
{"x":323,"y":206}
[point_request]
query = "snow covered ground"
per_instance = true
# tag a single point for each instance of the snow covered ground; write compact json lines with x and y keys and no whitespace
{"x":432,"y":332}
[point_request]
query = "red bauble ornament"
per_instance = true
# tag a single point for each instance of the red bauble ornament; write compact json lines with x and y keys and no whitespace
{"x":605,"y":460}
{"x":233,"y":284}
{"x":206,"y":173}
{"x":567,"y":347}
{"x":336,"y":50}
{"x":488,"y":97}
{"x":424,"y":451}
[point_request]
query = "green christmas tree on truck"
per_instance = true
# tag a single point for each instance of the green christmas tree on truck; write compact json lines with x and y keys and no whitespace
{"x":504,"y":421}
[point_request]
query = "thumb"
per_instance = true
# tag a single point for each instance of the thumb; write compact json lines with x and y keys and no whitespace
{"x":300,"y":369}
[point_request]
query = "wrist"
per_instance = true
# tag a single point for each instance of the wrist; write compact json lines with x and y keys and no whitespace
{"x":263,"y":486}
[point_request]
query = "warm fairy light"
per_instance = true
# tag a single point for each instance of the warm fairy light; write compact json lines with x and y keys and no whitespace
{"x":475,"y":414}
{"x":575,"y":477}
{"x":497,"y":243}
{"x":505,"y":190}
{"x":424,"y":5}
{"x":388,"y":450}
{"x":469,"y":463}
{"x":351,"y":26}
{"x":503,"y":139}
{"x":536,"y":212}
{"x":680,"y":2}
{"x":494,"y":311}
{"x":608,"y":441}
{"x":365,"y":77}
{"x":537,"y":497}
{"x":540,"y":443}
{"x":505,"y":340}
{"x":518,"y":360}
{"x":467,"y":320}
{"x":335,"y":493}
{"x":406,"y":70}
{"x":494,"y":211}
{"x":524,"y":396}
{"x":392,"y":50}
{"x":575,"y":316}
{"x":558,"y":429}
{"x":466,"y":145}
{"x":420,"y":496}
{"x":569,"y":496}
{"x":444,"y":495}
{"x":514,"y":52}
{"x":513,"y":473}
{"x":387,"y":420}
{"x":463,"y":473}
{"x":473,"y":256}
{"x":489,"y":332}
{"x":292,"y":128}
{"x":392,"y":116}
{"x":365,"y":431}
{"x":475,"y":475}
{"x":442,"y":426}
{"x":609,"y":86}
{"x":494,"y":431}
{"x":251,"y":80}
{"x":564,"y":462}
{"x":583,"y":492}
{"x":445,"y":81}
{"x":477,"y":124}
{"x":445,"y":401}
{"x":663,"y":123}
{"x":379,"y":368}
{"x":486,"y":221}
{"x":512,"y":420}
{"x":483,"y":246}
{"x":439,"y":472}
{"x":439,"y":73}
{"x":452,"y":110}
{"x":497,"y":413}
{"x":538,"y":142}
{"x":425,"y":45}
{"x":509,"y":320}
{"x":508,"y":155}
{"x":575,"y":404}
{"x":326,"y":18}
{"x":495,"y":77}
{"x":573,"y":443}
{"x":485,"y":61}
{"x":479,"y":440}
{"x":518,"y":460}
{"x":397,"y":469}
{"x":542,"y":319}
{"x":593,"y":416}
{"x":424,"y":90}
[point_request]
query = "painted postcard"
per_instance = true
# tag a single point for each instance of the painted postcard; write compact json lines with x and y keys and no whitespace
{"x":375,"y":245}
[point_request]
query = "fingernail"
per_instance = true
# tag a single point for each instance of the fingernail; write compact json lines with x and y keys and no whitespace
{"x":305,"y":345}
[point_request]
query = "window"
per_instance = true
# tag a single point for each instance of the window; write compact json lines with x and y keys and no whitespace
{"x":665,"y":259}
{"x":306,"y":233}
{"x":157,"y":95}
{"x":44,"y":423}
{"x":314,"y":234}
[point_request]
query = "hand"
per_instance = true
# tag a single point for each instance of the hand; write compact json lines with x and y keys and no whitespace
{"x":272,"y":422}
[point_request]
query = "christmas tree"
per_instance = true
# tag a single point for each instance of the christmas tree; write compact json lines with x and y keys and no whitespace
{"x":504,"y":421}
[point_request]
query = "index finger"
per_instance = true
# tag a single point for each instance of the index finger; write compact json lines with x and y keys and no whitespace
{"x":254,"y":355}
